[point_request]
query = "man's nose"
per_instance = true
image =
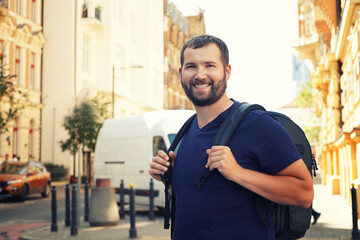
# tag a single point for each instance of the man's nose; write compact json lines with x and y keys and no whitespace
{"x":201,"y":73}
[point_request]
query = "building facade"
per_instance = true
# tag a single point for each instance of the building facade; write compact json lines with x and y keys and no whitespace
{"x":112,"y":49}
{"x":329,"y":33}
{"x":178,"y":29}
{"x":21,"y":44}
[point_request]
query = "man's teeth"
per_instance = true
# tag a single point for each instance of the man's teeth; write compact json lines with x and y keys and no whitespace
{"x":201,"y":86}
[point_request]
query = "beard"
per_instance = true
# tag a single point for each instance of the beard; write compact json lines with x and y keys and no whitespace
{"x":200,"y":100}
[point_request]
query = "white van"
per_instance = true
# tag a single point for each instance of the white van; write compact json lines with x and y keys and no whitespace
{"x":125,"y":147}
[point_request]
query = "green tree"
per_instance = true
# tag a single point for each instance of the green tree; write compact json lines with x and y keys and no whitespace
{"x":8,"y":106}
{"x":101,"y":109}
{"x":82,"y":126}
{"x":305,"y":100}
{"x":71,"y":144}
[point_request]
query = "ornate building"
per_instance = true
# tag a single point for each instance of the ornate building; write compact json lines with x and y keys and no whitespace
{"x":329,"y":34}
{"x":178,"y":30}
{"x":21,"y":43}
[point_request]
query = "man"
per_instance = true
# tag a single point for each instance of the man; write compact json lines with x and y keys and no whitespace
{"x":15,"y":158}
{"x":260,"y":156}
{"x":6,"y":159}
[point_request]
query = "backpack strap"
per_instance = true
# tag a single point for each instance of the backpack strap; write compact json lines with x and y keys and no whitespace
{"x":226,"y":129}
{"x":166,"y":177}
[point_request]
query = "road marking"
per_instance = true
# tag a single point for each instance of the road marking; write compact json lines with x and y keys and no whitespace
{"x":15,"y":230}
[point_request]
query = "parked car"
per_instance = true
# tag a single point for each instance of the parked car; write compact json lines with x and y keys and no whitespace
{"x":19,"y":179}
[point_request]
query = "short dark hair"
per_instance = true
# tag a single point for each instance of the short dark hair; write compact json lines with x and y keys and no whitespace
{"x":203,"y":40}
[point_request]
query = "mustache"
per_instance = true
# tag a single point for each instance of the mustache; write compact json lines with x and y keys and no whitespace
{"x":199,"y":82}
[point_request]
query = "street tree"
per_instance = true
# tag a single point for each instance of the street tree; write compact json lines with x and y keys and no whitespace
{"x":8,"y":104}
{"x":305,"y":100}
{"x":82,"y":126}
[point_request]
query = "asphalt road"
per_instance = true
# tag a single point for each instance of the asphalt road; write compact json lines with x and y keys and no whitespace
{"x":34,"y":208}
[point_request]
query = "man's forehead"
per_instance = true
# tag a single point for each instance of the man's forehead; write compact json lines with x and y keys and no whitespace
{"x":210,"y":50}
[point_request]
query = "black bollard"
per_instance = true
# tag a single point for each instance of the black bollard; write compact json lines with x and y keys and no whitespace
{"x":67,"y":206}
{"x":355,"y":231}
{"x":151,"y":201}
{"x":54,"y":227}
{"x":132,"y":213}
{"x":122,"y":199}
{"x":74,"y":229}
{"x":86,"y":217}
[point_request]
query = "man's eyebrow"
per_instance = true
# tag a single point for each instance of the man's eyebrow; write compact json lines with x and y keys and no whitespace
{"x":210,"y":62}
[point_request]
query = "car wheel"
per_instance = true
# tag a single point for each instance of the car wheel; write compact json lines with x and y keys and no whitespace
{"x":47,"y":190}
{"x":23,"y":193}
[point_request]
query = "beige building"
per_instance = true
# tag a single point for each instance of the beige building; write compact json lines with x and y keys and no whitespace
{"x":112,"y":48}
{"x":21,"y":43}
{"x":178,"y":30}
{"x":329,"y":34}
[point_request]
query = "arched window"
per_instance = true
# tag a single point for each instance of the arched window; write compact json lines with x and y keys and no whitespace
{"x":309,"y":20}
{"x":16,"y":137}
{"x":31,"y":139}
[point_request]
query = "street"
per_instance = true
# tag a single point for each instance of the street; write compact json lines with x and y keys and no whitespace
{"x":33,"y":208}
{"x":15,"y":216}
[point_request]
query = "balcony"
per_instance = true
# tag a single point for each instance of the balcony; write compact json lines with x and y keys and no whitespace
{"x":4,"y":3}
{"x":92,"y":16}
{"x":4,"y":9}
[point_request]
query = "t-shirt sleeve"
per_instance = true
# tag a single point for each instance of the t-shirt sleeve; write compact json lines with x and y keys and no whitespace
{"x":272,"y":145}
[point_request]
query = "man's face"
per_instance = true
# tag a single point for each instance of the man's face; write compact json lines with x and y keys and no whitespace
{"x":203,"y":75}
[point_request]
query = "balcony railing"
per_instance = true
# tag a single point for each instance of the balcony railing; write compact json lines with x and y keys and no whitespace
{"x":91,"y":16}
{"x":4,"y":3}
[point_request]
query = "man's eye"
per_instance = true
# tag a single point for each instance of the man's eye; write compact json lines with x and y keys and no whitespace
{"x":210,"y":65}
{"x":190,"y":66}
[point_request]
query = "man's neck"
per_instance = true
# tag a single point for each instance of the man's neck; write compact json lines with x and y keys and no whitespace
{"x":205,"y":114}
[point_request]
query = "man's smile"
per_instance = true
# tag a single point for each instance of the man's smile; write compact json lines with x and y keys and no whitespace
{"x":202,"y":85}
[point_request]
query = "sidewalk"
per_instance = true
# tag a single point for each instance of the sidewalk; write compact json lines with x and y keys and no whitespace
{"x":335,"y":222}
{"x":146,"y":230}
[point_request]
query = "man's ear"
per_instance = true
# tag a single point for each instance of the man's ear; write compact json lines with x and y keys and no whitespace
{"x":180,"y":71}
{"x":228,"y":71}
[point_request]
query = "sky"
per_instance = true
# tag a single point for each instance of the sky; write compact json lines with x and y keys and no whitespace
{"x":260,"y":36}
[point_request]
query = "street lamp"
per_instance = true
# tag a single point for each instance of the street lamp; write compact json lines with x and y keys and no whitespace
{"x":113,"y":83}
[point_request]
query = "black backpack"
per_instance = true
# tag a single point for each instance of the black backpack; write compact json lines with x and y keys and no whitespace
{"x":291,"y":222}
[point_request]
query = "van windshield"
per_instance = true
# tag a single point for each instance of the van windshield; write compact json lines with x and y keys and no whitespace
{"x":171,"y":137}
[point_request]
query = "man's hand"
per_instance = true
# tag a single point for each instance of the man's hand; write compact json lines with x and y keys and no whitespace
{"x":221,"y":158}
{"x":160,"y":163}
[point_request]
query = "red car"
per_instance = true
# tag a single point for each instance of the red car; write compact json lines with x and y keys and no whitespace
{"x":19,"y":179}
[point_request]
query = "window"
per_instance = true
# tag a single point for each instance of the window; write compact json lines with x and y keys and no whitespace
{"x":18,"y":6}
{"x":356,"y":82}
{"x":309,"y":21}
{"x":33,"y":10}
{"x":158,"y":144}
{"x":98,"y":13}
{"x":2,"y":48}
{"x":119,"y":11}
{"x":32,"y":71}
{"x":133,"y":29}
{"x":17,"y":65}
{"x":86,"y":52}
{"x":16,"y":137}
{"x":31,"y":139}
{"x":119,"y":61}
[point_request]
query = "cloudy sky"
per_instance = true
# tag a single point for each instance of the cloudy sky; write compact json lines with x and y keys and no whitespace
{"x":260,"y":36}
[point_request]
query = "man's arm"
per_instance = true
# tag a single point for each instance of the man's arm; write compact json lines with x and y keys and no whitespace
{"x":292,"y":186}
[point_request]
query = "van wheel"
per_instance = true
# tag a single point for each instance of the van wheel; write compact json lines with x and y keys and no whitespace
{"x":47,"y":189}
{"x":23,"y":193}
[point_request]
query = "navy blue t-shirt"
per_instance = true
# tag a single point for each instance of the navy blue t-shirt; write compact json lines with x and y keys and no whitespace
{"x":218,"y":211}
